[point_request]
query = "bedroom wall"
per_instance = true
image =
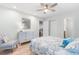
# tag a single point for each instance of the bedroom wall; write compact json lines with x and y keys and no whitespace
{"x":34,"y":24}
{"x":73,"y":30}
{"x":74,"y":17}
{"x":76,"y":25}
{"x":56,"y":28}
{"x":47,"y":27}
{"x":60,"y":22}
{"x":9,"y":20}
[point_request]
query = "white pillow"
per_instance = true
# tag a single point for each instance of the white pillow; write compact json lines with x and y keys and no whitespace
{"x":6,"y":39}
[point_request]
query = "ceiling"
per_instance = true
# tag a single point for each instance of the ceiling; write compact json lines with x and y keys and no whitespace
{"x":31,"y":8}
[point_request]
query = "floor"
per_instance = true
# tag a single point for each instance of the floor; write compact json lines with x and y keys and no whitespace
{"x":21,"y":50}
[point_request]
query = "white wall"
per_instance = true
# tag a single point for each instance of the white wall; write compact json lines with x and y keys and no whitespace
{"x":9,"y":20}
{"x":56,"y":28}
{"x":74,"y":17}
{"x":52,"y":30}
{"x":76,"y":25}
{"x":72,"y":32}
{"x":34,"y":24}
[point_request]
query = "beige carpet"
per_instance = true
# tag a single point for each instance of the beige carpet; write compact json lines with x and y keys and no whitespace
{"x":21,"y":50}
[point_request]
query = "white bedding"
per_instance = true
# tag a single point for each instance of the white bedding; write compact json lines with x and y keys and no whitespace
{"x":51,"y":46}
{"x":45,"y":45}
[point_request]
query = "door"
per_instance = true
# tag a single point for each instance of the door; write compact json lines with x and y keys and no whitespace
{"x":53,"y":28}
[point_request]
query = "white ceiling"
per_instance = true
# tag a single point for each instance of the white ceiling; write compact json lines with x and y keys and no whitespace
{"x":31,"y":8}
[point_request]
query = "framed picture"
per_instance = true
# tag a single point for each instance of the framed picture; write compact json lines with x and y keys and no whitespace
{"x":26,"y":23}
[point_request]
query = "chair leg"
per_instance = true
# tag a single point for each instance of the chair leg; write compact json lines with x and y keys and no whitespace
{"x":17,"y":46}
{"x":13,"y":49}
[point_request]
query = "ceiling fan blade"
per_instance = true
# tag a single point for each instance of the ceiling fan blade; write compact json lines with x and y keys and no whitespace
{"x":53,"y":10}
{"x":46,"y":6}
{"x":39,"y":9}
{"x":42,"y":4}
{"x":54,"y":5}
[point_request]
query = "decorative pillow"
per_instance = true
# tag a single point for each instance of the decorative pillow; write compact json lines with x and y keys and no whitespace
{"x":73,"y":47}
{"x":66,"y":41}
{"x":5,"y":38}
{"x":1,"y":41}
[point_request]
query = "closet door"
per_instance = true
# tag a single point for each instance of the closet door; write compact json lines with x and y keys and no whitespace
{"x":69,"y":27}
{"x":53,"y":28}
{"x":46,"y":28}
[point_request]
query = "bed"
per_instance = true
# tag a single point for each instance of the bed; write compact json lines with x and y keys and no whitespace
{"x":52,"y":46}
{"x":45,"y":45}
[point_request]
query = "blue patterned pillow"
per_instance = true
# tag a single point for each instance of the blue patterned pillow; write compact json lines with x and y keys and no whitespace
{"x":66,"y":41}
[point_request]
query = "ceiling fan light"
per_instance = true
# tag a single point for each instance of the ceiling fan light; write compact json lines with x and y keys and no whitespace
{"x":47,"y":7}
{"x":44,"y":7}
{"x":46,"y":10}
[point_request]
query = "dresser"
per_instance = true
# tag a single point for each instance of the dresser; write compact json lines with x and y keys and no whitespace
{"x":25,"y":36}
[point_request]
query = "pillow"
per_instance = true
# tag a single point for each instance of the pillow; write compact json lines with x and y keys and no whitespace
{"x":65,"y":42}
{"x":5,"y":38}
{"x":2,"y":41}
{"x":73,"y":47}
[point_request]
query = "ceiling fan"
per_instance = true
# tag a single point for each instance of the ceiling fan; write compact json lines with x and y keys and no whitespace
{"x":45,"y":7}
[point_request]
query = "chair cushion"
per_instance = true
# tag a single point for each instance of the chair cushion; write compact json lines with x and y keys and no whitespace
{"x":8,"y":45}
